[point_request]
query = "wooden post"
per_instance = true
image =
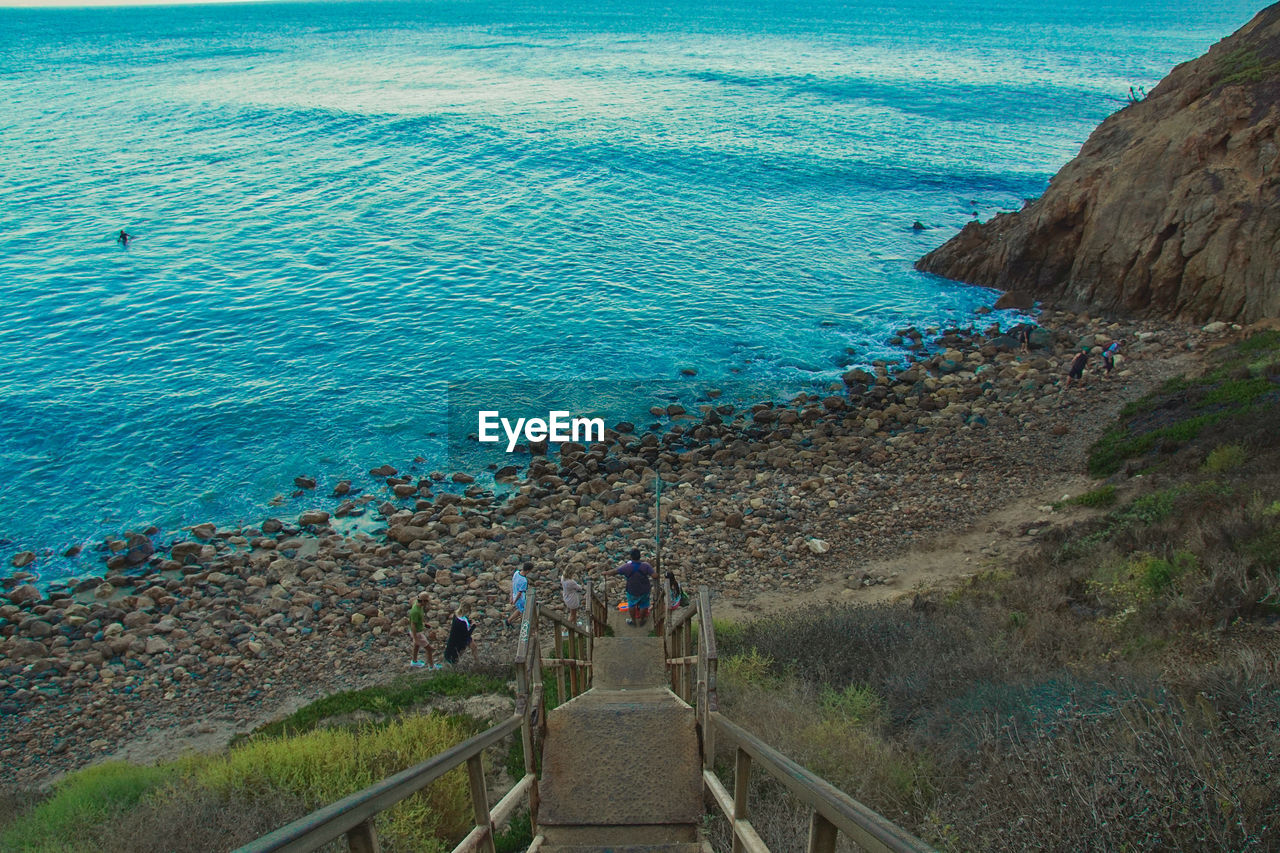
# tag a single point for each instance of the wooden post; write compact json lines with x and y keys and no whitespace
{"x":363,"y":838}
{"x":741,"y":789}
{"x":480,"y":800}
{"x":686,"y":671}
{"x":558,"y":644}
{"x":822,"y":835}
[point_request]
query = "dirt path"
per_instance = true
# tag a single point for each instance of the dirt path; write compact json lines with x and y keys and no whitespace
{"x":939,"y":564}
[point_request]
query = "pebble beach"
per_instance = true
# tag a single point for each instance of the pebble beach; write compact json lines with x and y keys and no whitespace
{"x":186,"y":642}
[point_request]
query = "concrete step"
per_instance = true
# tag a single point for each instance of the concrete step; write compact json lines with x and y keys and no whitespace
{"x":599,"y":761}
{"x":626,"y":663}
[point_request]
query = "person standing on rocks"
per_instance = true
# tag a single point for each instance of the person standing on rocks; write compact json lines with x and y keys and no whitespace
{"x":418,"y":634}
{"x":571,"y":592}
{"x":519,"y":591}
{"x":460,"y":636}
{"x":1076,"y":371}
{"x":637,"y":575}
{"x":1024,"y":337}
{"x":678,"y":598}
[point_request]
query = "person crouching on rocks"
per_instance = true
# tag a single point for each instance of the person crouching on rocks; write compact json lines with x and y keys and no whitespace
{"x":460,"y":636}
{"x":638,"y":587}
{"x":1109,"y":356}
{"x":418,"y":633}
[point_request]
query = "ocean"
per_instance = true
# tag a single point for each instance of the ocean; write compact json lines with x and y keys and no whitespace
{"x":341,"y":211}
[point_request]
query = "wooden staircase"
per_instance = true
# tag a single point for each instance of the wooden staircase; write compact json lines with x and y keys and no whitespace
{"x":597,"y":792}
{"x":627,"y":765}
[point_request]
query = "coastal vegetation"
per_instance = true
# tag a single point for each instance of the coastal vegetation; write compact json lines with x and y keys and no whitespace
{"x":1116,"y":690}
{"x":1118,"y":683}
{"x":331,"y":748}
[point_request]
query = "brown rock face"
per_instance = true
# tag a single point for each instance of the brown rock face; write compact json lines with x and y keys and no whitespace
{"x":1171,"y":208}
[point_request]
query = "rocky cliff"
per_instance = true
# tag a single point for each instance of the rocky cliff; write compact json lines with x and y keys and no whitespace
{"x":1172,"y":206}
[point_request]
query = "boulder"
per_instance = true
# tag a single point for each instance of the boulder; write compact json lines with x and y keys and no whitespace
{"x":313,"y":518}
{"x":24,"y":594}
{"x":139,"y":550}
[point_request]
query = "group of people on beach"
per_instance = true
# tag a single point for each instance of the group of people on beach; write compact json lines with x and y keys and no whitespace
{"x":1075,"y":372}
{"x":637,"y":574}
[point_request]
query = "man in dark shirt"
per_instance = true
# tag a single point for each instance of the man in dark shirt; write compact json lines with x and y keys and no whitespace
{"x":637,"y":574}
{"x":1076,"y":372}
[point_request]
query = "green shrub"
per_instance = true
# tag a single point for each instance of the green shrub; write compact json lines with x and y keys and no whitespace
{"x":855,"y":704}
{"x":750,"y":667}
{"x":1155,"y":574}
{"x":81,"y":800}
{"x":325,"y":765}
{"x":1102,"y":496}
{"x":1225,"y":457}
{"x":1236,"y":392}
{"x":401,"y":694}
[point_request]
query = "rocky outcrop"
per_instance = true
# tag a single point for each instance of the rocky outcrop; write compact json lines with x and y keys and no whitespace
{"x":1171,"y":208}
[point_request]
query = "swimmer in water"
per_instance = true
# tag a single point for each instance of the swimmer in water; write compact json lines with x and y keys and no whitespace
{"x":124,"y":237}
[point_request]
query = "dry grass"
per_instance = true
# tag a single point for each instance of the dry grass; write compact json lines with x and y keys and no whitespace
{"x":1117,"y":690}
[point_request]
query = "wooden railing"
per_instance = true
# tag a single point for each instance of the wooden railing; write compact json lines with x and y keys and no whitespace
{"x":693,"y":678}
{"x":353,"y":816}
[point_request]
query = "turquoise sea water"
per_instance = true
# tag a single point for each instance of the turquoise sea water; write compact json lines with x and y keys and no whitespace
{"x":341,"y":208}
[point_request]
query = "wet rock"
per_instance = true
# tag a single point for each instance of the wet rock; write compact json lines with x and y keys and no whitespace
{"x":305,"y":482}
{"x":23,"y":559}
{"x":24,"y":594}
{"x":139,"y":549}
{"x":204,"y":531}
{"x":460,"y":477}
{"x":313,"y":518}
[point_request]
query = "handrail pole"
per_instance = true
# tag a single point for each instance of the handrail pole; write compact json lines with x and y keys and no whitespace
{"x":822,"y":834}
{"x":363,"y":838}
{"x":707,"y":700}
{"x":480,"y":801}
{"x":687,"y":674}
{"x":591,"y":618}
{"x":526,"y":644}
{"x":539,"y":708}
{"x":741,"y":791}
{"x":558,"y":644}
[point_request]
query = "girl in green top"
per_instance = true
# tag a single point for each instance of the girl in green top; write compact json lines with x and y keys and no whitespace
{"x":418,"y":633}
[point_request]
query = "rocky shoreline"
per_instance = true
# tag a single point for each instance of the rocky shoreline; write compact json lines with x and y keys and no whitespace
{"x":217,"y":631}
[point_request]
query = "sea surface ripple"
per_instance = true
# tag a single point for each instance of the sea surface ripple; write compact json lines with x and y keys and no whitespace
{"x":342,"y":208}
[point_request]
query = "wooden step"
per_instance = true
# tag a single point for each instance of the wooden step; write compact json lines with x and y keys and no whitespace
{"x":628,"y":663}
{"x":621,"y":839}
{"x":598,"y":761}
